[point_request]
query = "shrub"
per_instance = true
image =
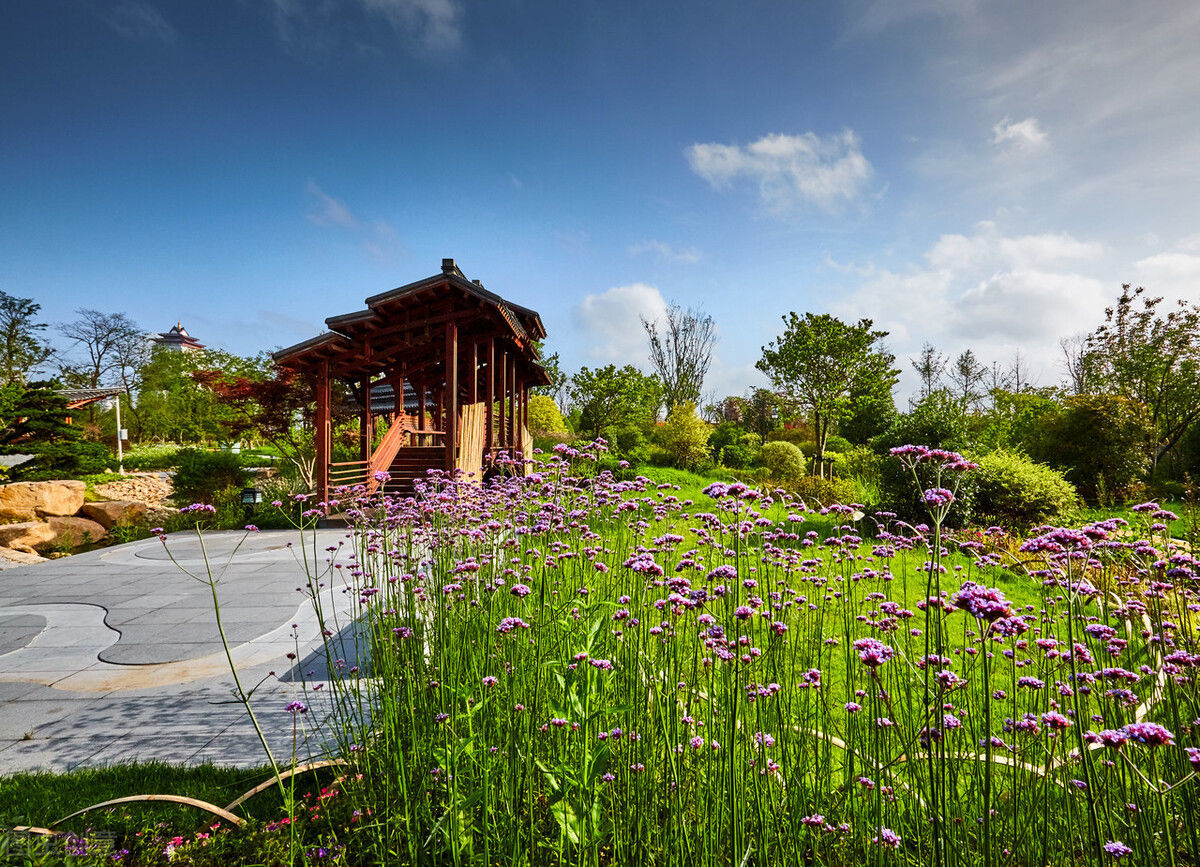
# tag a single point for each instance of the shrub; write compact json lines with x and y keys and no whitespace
{"x":1013,"y":488}
{"x":544,"y":417}
{"x":785,"y":461}
{"x":816,"y":490}
{"x":59,"y":460}
{"x":794,"y":434}
{"x":152,"y":456}
{"x":201,"y":475}
{"x":685,"y":438}
{"x":1098,"y":441}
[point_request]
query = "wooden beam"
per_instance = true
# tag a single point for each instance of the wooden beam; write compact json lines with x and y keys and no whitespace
{"x":451,"y":427}
{"x":504,"y":441}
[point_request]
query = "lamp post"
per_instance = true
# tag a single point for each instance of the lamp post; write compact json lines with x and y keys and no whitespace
{"x":251,"y":497}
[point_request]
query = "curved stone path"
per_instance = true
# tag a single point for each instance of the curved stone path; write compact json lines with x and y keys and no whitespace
{"x":114,"y":654}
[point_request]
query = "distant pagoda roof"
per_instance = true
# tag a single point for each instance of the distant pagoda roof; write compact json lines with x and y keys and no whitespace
{"x":178,"y":338}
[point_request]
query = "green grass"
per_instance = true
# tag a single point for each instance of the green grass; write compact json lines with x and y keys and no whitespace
{"x":42,"y":798}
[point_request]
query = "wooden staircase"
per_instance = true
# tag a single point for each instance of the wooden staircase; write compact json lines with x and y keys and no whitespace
{"x":411,"y":463}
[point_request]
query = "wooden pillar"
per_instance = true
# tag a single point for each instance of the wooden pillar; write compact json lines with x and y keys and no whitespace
{"x":491,"y":393}
{"x":451,"y":400}
{"x":322,"y":433}
{"x":474,"y":371}
{"x":366,"y":423}
{"x":503,"y":426}
{"x":420,"y":387}
{"x":512,"y":403}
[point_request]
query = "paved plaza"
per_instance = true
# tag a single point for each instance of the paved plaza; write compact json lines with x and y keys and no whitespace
{"x":114,"y":654}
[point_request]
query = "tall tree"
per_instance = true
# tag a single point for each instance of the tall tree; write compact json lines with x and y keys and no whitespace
{"x":681,"y":350}
{"x":1154,"y":360}
{"x":967,"y":376}
{"x":612,"y":396}
{"x":821,"y":364}
{"x":1018,"y":373}
{"x":929,"y":365}
{"x":22,"y":348}
{"x":557,"y":388}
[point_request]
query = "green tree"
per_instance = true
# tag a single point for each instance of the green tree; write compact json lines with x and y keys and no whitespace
{"x":1098,"y":442}
{"x":821,"y":365}
{"x":685,"y":437}
{"x":929,"y":365}
{"x":1153,"y":360}
{"x":174,"y":406}
{"x":558,"y":380}
{"x":22,"y":348}
{"x":544,"y":416}
{"x":615,"y":397}
{"x":967,"y":375}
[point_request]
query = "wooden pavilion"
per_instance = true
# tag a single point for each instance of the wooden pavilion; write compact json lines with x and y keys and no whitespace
{"x":445,"y":362}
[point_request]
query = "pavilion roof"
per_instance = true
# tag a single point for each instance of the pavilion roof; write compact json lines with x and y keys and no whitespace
{"x":81,"y":397}
{"x":403,"y":323}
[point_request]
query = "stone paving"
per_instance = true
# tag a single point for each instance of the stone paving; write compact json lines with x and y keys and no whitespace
{"x":114,"y":654}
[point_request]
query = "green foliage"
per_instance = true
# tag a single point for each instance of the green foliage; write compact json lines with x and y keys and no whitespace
{"x":65,"y":459}
{"x":937,"y":420}
{"x":173,"y":405}
{"x":785,"y":461}
{"x":685,"y":438}
{"x":35,"y":412}
{"x":730,"y":446}
{"x":1014,"y":421}
{"x":1098,"y":441}
{"x":870,"y":416}
{"x":152,"y":456}
{"x":201,"y":475}
{"x":1152,"y":360}
{"x":1019,"y":491}
{"x":616,"y":398}
{"x":544,"y":417}
{"x":818,"y":491}
{"x":824,"y":366}
{"x":22,"y":348}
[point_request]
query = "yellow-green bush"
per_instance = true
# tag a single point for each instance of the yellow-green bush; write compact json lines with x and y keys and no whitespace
{"x":785,"y":460}
{"x":1013,"y":488}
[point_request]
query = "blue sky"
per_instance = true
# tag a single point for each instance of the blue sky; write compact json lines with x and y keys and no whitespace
{"x":970,"y":173}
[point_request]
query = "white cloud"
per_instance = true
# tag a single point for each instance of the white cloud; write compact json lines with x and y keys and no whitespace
{"x":379,"y":238}
{"x":141,"y":22}
{"x":1026,"y":135}
{"x":989,"y":292}
{"x":789,"y":170}
{"x":327,"y":25}
{"x":328,"y":211}
{"x":436,"y":22}
{"x":665,"y":252}
{"x":610,"y":322}
{"x":1170,"y":266}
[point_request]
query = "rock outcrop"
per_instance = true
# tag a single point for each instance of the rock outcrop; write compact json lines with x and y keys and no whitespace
{"x":26,"y":536}
{"x":113,"y":513}
{"x":26,"y":501}
{"x":72,"y":532}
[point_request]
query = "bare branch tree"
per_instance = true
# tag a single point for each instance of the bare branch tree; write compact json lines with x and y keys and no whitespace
{"x":1079,"y":364}
{"x":108,"y":342}
{"x":967,"y":375}
{"x":681,"y":350}
{"x":929,"y":365}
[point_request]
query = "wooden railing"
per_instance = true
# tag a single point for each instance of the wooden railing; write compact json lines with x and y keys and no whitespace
{"x":346,"y":473}
{"x":386,"y":453}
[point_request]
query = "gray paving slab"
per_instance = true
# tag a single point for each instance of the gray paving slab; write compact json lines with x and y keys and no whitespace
{"x":128,"y":666}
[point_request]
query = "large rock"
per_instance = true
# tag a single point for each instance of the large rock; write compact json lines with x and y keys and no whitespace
{"x":27,"y":536}
{"x":72,"y":532}
{"x":114,"y":512}
{"x":24,"y":501}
